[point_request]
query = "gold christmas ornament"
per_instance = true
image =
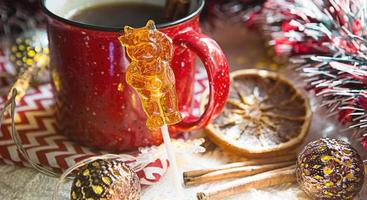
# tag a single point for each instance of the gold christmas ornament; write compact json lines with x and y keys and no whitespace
{"x":28,"y":48}
{"x":29,"y":55}
{"x":105,"y":180}
{"x":330,"y":169}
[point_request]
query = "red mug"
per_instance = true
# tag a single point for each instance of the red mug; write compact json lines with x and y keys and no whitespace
{"x":94,"y":104}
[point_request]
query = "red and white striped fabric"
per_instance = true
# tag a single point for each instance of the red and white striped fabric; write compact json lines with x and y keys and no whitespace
{"x":35,"y":124}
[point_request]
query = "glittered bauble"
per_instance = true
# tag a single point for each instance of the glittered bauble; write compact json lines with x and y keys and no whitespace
{"x":105,"y":180}
{"x":330,"y":169}
{"x":27,"y":48}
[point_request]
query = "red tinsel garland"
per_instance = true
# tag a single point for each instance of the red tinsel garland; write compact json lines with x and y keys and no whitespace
{"x":328,"y":39}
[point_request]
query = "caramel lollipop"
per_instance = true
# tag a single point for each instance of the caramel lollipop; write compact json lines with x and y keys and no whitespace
{"x":150,"y":74}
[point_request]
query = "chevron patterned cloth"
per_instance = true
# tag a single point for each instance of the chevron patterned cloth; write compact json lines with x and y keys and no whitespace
{"x":35,"y":124}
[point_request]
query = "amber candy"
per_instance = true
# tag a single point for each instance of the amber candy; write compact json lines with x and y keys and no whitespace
{"x":150,"y":74}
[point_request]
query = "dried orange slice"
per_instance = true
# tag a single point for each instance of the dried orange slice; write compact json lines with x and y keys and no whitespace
{"x":265,"y":115}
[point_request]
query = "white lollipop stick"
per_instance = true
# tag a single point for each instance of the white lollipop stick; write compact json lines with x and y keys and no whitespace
{"x":172,"y":160}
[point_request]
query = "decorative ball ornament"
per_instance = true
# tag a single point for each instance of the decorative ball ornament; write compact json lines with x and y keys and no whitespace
{"x":108,"y":179}
{"x":29,"y":55}
{"x":28,"y":48}
{"x":330,"y":169}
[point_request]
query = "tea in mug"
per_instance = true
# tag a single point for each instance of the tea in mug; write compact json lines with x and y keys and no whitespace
{"x":119,"y":14}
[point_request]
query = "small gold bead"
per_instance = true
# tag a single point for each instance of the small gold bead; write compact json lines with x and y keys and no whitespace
{"x":86,"y":172}
{"x":31,"y":53}
{"x":21,"y":47}
{"x":106,"y":180}
{"x":325,"y":158}
{"x":14,"y":49}
{"x":29,"y":61}
{"x":329,"y":184}
{"x":97,"y":189}
{"x":327,"y":170}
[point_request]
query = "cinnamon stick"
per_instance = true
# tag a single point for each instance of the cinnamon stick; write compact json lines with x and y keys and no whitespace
{"x":176,"y":9}
{"x":285,"y":158}
{"x":266,"y":179}
{"x":233,"y":173}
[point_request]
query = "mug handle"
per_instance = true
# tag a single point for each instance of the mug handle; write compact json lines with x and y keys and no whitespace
{"x":217,"y":69}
